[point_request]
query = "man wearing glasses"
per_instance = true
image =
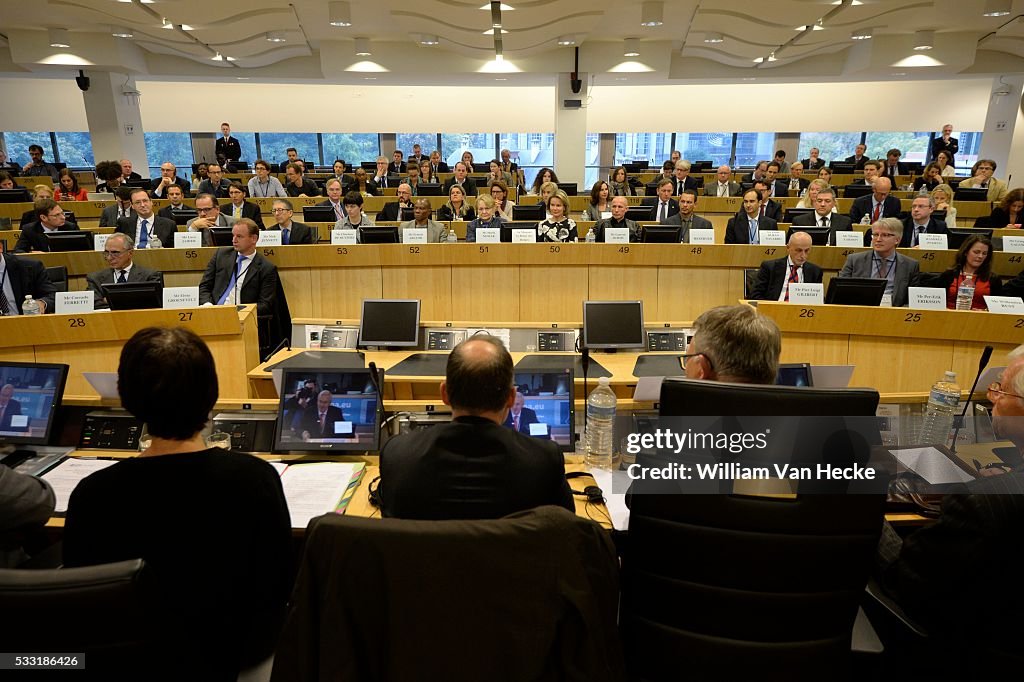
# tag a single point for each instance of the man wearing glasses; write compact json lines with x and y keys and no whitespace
{"x":291,"y":232}
{"x":49,"y":218}
{"x":733,"y":343}
{"x":882,"y":262}
{"x":118,"y":252}
{"x":145,"y":225}
{"x":981,"y":176}
{"x":209,"y":216}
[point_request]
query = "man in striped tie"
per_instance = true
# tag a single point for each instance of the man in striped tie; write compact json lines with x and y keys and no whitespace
{"x":774,"y":277}
{"x":119,"y":252}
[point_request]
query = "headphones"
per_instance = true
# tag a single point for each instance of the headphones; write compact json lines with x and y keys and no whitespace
{"x":375,"y":498}
{"x":593,"y":493}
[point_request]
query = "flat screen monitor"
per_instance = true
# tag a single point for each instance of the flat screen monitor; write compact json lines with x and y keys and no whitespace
{"x":429,"y":189}
{"x":405,"y":214}
{"x":544,"y":406}
{"x":71,"y":240}
{"x":957,"y":235}
{"x":856,"y":190}
{"x":379,"y":235}
{"x":792,"y":213}
{"x":653,"y":234}
{"x":913,"y":167}
{"x":506,"y":230}
{"x":529,"y":212}
{"x":181,"y":216}
{"x":855,"y":291}
{"x":819,"y":234}
{"x":30,"y":394}
{"x":481,"y":167}
{"x":134,"y":295}
{"x":15,"y":196}
{"x":390,"y":323}
{"x":746,"y":187}
{"x":794,"y":374}
{"x":640,"y":213}
{"x":971,"y":194}
{"x":613,"y":324}
{"x":569,"y":188}
{"x":138,"y":184}
{"x":329,"y":410}
{"x":368,"y":165}
{"x":59,"y":165}
{"x":636,"y":166}
{"x":220,"y":236}
{"x":842,"y":167}
{"x":701,"y":166}
{"x":651,"y":189}
{"x":319,"y":214}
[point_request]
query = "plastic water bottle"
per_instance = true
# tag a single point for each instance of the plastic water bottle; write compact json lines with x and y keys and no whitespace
{"x":451,"y":237}
{"x":601,"y":405}
{"x":591,"y":237}
{"x":30,"y":306}
{"x":866,"y":220}
{"x":155,"y":243}
{"x":940,"y":410}
{"x":923,"y":192}
{"x":965,"y":293}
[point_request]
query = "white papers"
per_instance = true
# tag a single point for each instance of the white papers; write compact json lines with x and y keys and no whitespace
{"x":616,"y":502}
{"x":616,"y":235}
{"x":524,"y":236}
{"x":414,"y":235}
{"x":104,"y":383}
{"x":772,"y":237}
{"x":848,"y":238}
{"x":317,"y":488}
{"x":181,"y":297}
{"x":1013,"y":244}
{"x":808,"y":293}
{"x":702,"y":236}
{"x":188,"y":240}
{"x":66,"y":475}
{"x":927,"y":298}
{"x":75,"y":302}
{"x":488,"y":235}
{"x":279,"y":467}
{"x":933,"y":241}
{"x":1010,"y":305}
{"x":649,"y":388}
{"x":99,"y":241}
{"x":931,"y":465}
{"x":347,"y":236}
{"x":269,"y":238}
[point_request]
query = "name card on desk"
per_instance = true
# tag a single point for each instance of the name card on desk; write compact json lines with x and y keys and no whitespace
{"x":414,"y":235}
{"x":188,"y":240}
{"x":1013,"y":244}
{"x":343,"y":236}
{"x":702,"y":236}
{"x":848,"y":238}
{"x":269,"y":238}
{"x":99,"y":241}
{"x":524,"y":236}
{"x":616,"y":235}
{"x":927,"y":298}
{"x":488,"y":235}
{"x":807,"y":293}
{"x":181,"y":297}
{"x":933,"y":241}
{"x":75,"y":302}
{"x":1009,"y":305}
{"x":773,"y":237}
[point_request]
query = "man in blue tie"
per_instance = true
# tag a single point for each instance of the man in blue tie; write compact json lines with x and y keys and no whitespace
{"x":745,"y":227}
{"x":146,"y":229}
{"x":291,"y":231}
{"x":237,"y":274}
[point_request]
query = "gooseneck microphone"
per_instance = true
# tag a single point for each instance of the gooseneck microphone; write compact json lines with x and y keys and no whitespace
{"x":986,"y":355}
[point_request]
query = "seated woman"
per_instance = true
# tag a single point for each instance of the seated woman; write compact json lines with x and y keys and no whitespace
{"x":619,"y":184}
{"x":559,"y":227}
{"x":360,"y":183}
{"x":812,"y":195}
{"x":945,"y":164}
{"x":427,"y":172}
{"x":354,"y":216}
{"x":825,"y":173}
{"x":543,"y":175}
{"x":467,"y":158}
{"x":973,"y":269}
{"x":456,"y":207}
{"x":68,"y":189}
{"x":212,"y":526}
{"x":931,"y":177}
{"x":668,"y":170}
{"x":502,"y":204}
{"x":6,"y":180}
{"x":1010,"y":210}
{"x":600,"y":202}
{"x":495,"y":173}
{"x":486,"y":216}
{"x":943,"y":196}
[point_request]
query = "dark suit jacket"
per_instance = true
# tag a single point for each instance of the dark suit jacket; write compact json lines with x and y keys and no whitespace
{"x":526,"y":417}
{"x":837,"y":221}
{"x":311,"y":421}
{"x":249,"y":210}
{"x":471,"y":468}
{"x":857,"y":165}
{"x":230,"y":148}
{"x":907,"y":273}
{"x":300,"y":233}
{"x":391,"y":211}
{"x":34,"y":239}
{"x":809,"y":165}
{"x":953,"y":146}
{"x":738,"y":232}
{"x":131,"y":176}
{"x":259,"y":286}
{"x":861,"y":205}
{"x":186,"y":189}
{"x":655,"y":204}
{"x":781,"y":188}
{"x":772,"y":209}
{"x":308,"y":187}
{"x":901,"y":169}
{"x":95,"y":280}
{"x":772,"y":276}
{"x":934,"y":227}
{"x":469,"y":185}
{"x":109,"y":216}
{"x":12,"y":409}
{"x":442,"y":167}
{"x":689,"y":183}
{"x":28,"y":278}
{"x":221,"y":191}
{"x":164,"y":228}
{"x":698,"y":223}
{"x":396,"y":168}
{"x":1015,"y":287}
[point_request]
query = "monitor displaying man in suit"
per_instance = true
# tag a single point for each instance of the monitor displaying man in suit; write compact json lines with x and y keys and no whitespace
{"x":9,"y":408}
{"x":291,"y":231}
{"x":519,"y":418}
{"x":227,"y":145}
{"x":775,"y":276}
{"x":663,"y":206}
{"x":723,"y":186}
{"x":686,"y":218}
{"x":876,"y":205}
{"x":825,"y":216}
{"x":147,"y":229}
{"x":323,"y":419}
{"x":745,"y":227}
{"x":238,"y":207}
{"x":49,"y":217}
{"x":238,"y":274}
{"x":883,"y":262}
{"x":119,"y":252}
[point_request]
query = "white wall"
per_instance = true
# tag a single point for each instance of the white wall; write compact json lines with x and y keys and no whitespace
{"x":42,"y":104}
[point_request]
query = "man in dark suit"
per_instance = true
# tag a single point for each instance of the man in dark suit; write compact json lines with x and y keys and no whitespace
{"x":291,"y":231}
{"x":49,"y":218}
{"x":473,"y":467}
{"x":169,"y":177}
{"x":883,"y":262}
{"x":759,"y":172}
{"x":686,"y":218}
{"x":683,"y":181}
{"x":392,"y":210}
{"x":769,"y":207}
{"x":126,"y":171}
{"x":920,"y":221}
{"x":796,"y":183}
{"x":876,"y":205}
{"x":507,"y":165}
{"x":9,"y":408}
{"x":175,"y":202}
{"x":415,"y":156}
{"x":119,"y":251}
{"x":238,"y":274}
{"x":824,"y":216}
{"x":776,"y":186}
{"x":946,"y":142}
{"x":397,"y":166}
{"x":859,"y":157}
{"x":775,"y":276}
{"x":663,"y":206}
{"x":239,"y":207}
{"x":227,"y":145}
{"x":293,"y":156}
{"x":461,"y":177}
{"x":745,"y":226}
{"x":215,"y":183}
{"x":436,"y":164}
{"x":814,"y":162}
{"x":21,"y":277}
{"x":121,"y":208}
{"x":723,"y":186}
{"x":519,"y":418}
{"x":146,"y":225}
{"x":321,"y":419}
{"x":892,"y":166}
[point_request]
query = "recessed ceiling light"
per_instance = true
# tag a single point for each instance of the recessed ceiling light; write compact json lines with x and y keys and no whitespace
{"x":241,"y":78}
{"x":652,"y":14}
{"x":362,"y":47}
{"x":714,"y":38}
{"x":632,"y":48}
{"x":340,"y":14}
{"x":59,"y":37}
{"x":813,"y":27}
{"x":749,"y":79}
{"x":369,"y":78}
{"x":121,"y":32}
{"x":861,"y":34}
{"x":924,"y":40}
{"x":429,"y":40}
{"x":996,"y":8}
{"x":621,"y":78}
{"x":567,"y":40}
{"x":276,"y":37}
{"x":218,"y":57}
{"x":501,"y":79}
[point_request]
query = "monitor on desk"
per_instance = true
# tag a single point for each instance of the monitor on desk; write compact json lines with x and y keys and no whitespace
{"x":138,"y":184}
{"x":610,"y":325}
{"x":181,"y":216}
{"x":529,"y":212}
{"x":970,"y":194}
{"x":390,"y":323}
{"x":329,"y":410}
{"x":855,"y":291}
{"x":792,"y":213}
{"x":319,"y":214}
{"x":545,"y":405}
{"x":794,"y":374}
{"x":506,"y":230}
{"x":70,"y":240}
{"x":134,"y":295}
{"x":640,"y":213}
{"x":15,"y":196}
{"x":636,"y":166}
{"x":957,"y":235}
{"x":653,"y":234}
{"x":569,"y":188}
{"x":30,"y":394}
{"x":221,"y":236}
{"x":819,"y":235}
{"x":842,"y":167}
{"x":857,"y":190}
{"x":379,"y":235}
{"x":429,"y":189}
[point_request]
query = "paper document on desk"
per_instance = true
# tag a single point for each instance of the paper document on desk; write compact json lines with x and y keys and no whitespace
{"x":931,"y":465}
{"x":318,"y":488}
{"x":66,"y":475}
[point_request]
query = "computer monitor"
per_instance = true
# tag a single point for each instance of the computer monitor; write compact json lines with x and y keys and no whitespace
{"x":220,"y":236}
{"x":545,"y":405}
{"x":794,"y":374}
{"x":957,"y":235}
{"x":379,"y":235}
{"x":856,"y":190}
{"x":636,"y":166}
{"x":134,"y":295}
{"x":71,"y":240}
{"x":653,"y":234}
{"x":701,"y":166}
{"x":138,"y":184}
{"x":390,"y":323}
{"x":15,"y":196}
{"x":405,"y":214}
{"x":352,"y":410}
{"x":319,"y":214}
{"x":59,"y":165}
{"x":181,"y":216}
{"x":640,"y":213}
{"x":842,"y":167}
{"x":913,"y":167}
{"x":792,"y":213}
{"x":569,"y":188}
{"x":429,"y":189}
{"x":481,"y":167}
{"x":651,"y":189}
{"x":613,"y":324}
{"x":35,"y":392}
{"x":506,"y":230}
{"x":368,"y":165}
{"x":970,"y":194}
{"x":855,"y":291}
{"x":529,"y":212}
{"x":819,"y":235}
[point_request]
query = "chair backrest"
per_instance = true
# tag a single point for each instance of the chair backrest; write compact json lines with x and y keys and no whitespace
{"x":58,"y":275}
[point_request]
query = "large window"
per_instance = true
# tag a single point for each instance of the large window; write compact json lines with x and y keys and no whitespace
{"x":716,"y":147}
{"x":426,"y":141}
{"x":833,"y":146}
{"x":273,"y":147}
{"x":352,"y":148}
{"x":593,"y":167}
{"x":754,"y":147}
{"x":914,"y":146}
{"x":454,"y":144}
{"x":75,"y":149}
{"x":173,"y":147}
{"x":17,"y":144}
{"x":653,"y":147}
{"x":247,"y":141}
{"x":970,"y":146}
{"x":532,"y":151}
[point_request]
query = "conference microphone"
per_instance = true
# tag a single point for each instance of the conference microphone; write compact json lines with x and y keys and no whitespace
{"x":375,"y":379}
{"x":986,"y":355}
{"x":585,"y":364}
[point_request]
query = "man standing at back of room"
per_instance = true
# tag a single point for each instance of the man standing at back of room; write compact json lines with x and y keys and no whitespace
{"x":227,"y":145}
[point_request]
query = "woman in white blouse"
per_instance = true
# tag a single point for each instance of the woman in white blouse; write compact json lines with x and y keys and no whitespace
{"x":263,"y":184}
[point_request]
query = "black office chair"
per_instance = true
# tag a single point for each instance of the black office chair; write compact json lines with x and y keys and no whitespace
{"x":749,"y":282}
{"x":729,"y":586}
{"x":58,"y":276}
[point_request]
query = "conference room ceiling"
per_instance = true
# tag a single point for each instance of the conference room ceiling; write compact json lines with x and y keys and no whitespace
{"x":275,"y":40}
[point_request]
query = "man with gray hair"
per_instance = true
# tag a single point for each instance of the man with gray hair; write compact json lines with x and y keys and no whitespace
{"x":920,"y":222}
{"x":683,"y":181}
{"x":733,"y":343}
{"x":882,"y":262}
{"x":118,"y":251}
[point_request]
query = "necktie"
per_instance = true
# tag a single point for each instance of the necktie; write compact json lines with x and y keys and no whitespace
{"x":761,"y":214}
{"x":824,"y":221}
{"x":883,"y":269}
{"x":515,"y":423}
{"x":323,"y":422}
{"x":233,"y":282}
{"x":723,"y":190}
{"x":143,"y":234}
{"x":5,"y":307}
{"x":238,"y":211}
{"x":384,"y":181}
{"x":663,"y":213}
{"x":285,"y":233}
{"x":121,"y":278}
{"x":753,"y":231}
{"x":338,"y":212}
{"x":794,"y":278}
{"x":874,"y":216}
{"x":679,"y":187}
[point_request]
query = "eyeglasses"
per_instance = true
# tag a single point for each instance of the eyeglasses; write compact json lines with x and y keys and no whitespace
{"x":995,"y":390}
{"x":683,"y":359}
{"x":115,"y":254}
{"x":882,"y":235}
{"x":206,"y":210}
{"x":280,"y":210}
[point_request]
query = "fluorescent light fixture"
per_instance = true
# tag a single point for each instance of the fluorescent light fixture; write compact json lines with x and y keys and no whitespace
{"x":924,"y":40}
{"x":503,"y":7}
{"x":652,"y":14}
{"x":632,"y":48}
{"x":121,"y":32}
{"x":340,"y":13}
{"x":218,"y":57}
{"x":276,"y":37}
{"x":362,"y":47}
{"x":917,"y":61}
{"x":566,"y":41}
{"x":771,"y":57}
{"x":429,"y":40}
{"x":498,"y":65}
{"x":59,"y":37}
{"x":996,"y":8}
{"x":813,"y":27}
{"x":714,"y":38}
{"x":164,"y":23}
{"x":490,"y":31}
{"x":861,"y":34}
{"x":185,"y":27}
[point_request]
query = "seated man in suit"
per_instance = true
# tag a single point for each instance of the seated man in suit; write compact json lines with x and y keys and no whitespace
{"x":775,"y":276}
{"x":735,"y":344}
{"x":892,"y":166}
{"x":814,"y":162}
{"x":723,"y":186}
{"x":760,"y":170}
{"x":49,"y":218}
{"x":381,"y":174}
{"x":825,"y":216}
{"x":21,"y":277}
{"x":460,"y":178}
{"x":297,"y":184}
{"x":797,"y":183}
{"x":397,"y":166}
{"x":238,"y":274}
{"x":436,"y":164}
{"x":335,"y":190}
{"x":859,"y":157}
{"x":883,"y":262}
{"x":745,"y":227}
{"x":11,"y":408}
{"x":780,"y":158}
{"x":686,"y":218}
{"x":921,"y":221}
{"x":473,"y":467}
{"x":169,"y":178}
{"x":683,"y":179}
{"x":769,"y":207}
{"x":209,"y":216}
{"x":876,"y":205}
{"x":871,"y":169}
{"x":321,"y":419}
{"x":618,"y":204}
{"x":119,"y":251}
{"x":239,"y":207}
{"x":175,"y":202}
{"x":519,"y":418}
{"x":291,"y":232}
{"x":507,"y":165}
{"x":415,"y":156}
{"x":663,"y":206}
{"x":121,"y":208}
{"x":777,"y":187}
{"x":421,"y":211}
{"x":393,"y":209}
{"x":146,"y":225}
{"x":981,"y":176}
{"x":215,"y":183}
{"x":293,"y":156}
{"x":126,"y":171}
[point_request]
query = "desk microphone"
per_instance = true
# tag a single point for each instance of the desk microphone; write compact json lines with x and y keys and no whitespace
{"x":986,"y":355}
{"x":585,"y":364}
